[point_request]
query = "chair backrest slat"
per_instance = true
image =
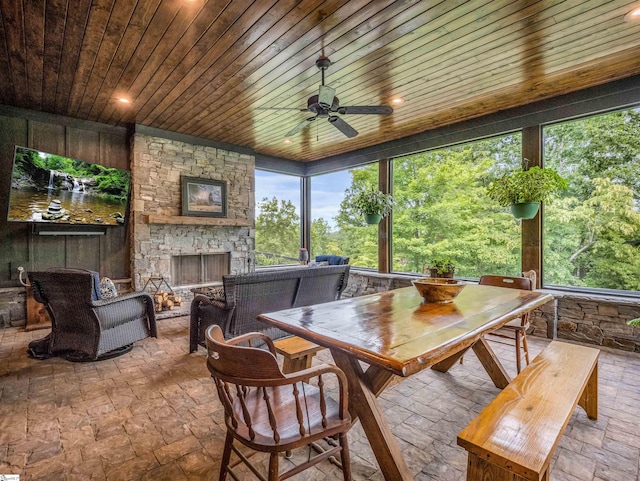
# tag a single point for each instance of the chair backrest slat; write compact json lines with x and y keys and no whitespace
{"x":272,"y":418}
{"x":323,"y":402}
{"x":240,"y":396}
{"x":227,"y":400}
{"x":296,"y":395}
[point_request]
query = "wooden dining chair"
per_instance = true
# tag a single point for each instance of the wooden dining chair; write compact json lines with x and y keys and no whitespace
{"x":516,"y":330}
{"x":272,"y":412}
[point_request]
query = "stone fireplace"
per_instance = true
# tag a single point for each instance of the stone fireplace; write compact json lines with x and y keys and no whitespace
{"x":188,"y":251}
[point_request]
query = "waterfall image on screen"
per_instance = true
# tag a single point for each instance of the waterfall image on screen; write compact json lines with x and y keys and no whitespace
{"x":56,"y":189}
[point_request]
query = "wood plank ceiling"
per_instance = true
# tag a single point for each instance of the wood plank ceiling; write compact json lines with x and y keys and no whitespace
{"x":210,"y":68}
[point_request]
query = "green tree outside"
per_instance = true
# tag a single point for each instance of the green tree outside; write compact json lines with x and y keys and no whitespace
{"x":443,"y":212}
{"x":277,"y":232}
{"x":592,"y":234}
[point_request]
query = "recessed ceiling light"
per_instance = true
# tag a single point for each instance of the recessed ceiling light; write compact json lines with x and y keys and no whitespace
{"x":287,"y":141}
{"x":633,"y":15}
{"x":124,"y":100}
{"x":397,"y":101}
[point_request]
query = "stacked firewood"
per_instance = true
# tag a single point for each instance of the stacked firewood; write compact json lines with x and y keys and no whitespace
{"x":166,"y":301}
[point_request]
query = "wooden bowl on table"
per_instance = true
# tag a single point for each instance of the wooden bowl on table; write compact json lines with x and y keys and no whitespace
{"x":437,"y":289}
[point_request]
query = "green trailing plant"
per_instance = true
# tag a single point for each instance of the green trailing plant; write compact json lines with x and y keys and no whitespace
{"x":372,"y":201}
{"x":524,"y":186}
{"x":634,"y":322}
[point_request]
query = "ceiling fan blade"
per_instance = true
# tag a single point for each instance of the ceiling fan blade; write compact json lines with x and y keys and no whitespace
{"x":342,"y":126}
{"x":326,"y":95}
{"x":363,"y":110}
{"x":300,"y":126}
{"x":281,"y":108}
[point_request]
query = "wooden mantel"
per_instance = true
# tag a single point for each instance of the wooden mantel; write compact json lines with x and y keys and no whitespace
{"x":191,"y":220}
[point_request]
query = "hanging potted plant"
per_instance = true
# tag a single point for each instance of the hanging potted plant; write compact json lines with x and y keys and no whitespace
{"x":523,"y":190}
{"x":372,"y":204}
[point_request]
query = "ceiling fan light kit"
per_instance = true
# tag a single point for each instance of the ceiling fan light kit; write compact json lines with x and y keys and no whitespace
{"x":326,"y":105}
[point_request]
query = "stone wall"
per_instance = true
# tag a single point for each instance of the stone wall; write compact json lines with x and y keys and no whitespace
{"x":157,"y":167}
{"x":13,"y":312}
{"x":593,"y":319}
{"x":362,"y":283}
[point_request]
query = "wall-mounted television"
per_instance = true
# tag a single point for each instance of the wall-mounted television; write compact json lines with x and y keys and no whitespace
{"x":48,"y":188}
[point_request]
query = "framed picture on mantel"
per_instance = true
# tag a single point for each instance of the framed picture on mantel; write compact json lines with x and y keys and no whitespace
{"x":204,"y":197}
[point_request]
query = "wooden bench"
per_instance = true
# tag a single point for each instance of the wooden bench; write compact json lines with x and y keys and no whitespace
{"x":297,"y":352}
{"x":514,"y":437}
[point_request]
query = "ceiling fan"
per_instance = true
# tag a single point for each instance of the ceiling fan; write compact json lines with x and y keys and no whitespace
{"x":325,"y":105}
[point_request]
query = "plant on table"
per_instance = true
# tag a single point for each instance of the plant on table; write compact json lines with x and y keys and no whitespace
{"x":442,"y":267}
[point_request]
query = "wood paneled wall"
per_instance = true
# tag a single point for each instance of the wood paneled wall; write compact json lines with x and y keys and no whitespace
{"x":88,"y":141}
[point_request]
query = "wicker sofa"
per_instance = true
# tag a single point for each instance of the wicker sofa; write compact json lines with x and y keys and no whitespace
{"x":248,"y":295}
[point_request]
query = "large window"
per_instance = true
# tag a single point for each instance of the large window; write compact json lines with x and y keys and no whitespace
{"x":277,"y":218}
{"x":335,"y":228}
{"x":592,"y":233}
{"x":442,"y":212}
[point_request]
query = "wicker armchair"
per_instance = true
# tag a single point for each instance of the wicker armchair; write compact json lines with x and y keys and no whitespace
{"x":272,"y":412}
{"x":83,"y":326}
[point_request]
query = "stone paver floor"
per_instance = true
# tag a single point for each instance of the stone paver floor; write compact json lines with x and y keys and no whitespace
{"x":153,"y":414}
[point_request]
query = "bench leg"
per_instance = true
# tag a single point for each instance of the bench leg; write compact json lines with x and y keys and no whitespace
{"x":294,"y":365}
{"x":589,"y":398}
{"x":479,"y":469}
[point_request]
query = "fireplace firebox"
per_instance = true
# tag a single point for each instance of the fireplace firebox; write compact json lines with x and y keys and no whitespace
{"x":199,"y":269}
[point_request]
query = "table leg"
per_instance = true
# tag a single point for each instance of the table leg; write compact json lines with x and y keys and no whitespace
{"x":446,"y":364}
{"x":363,"y":404}
{"x":491,"y":364}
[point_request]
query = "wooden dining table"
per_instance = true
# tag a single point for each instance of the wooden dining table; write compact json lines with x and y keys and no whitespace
{"x":396,"y":333}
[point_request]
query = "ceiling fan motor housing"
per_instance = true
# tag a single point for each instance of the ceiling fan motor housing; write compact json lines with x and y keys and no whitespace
{"x":314,"y":106}
{"x":323,"y":63}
